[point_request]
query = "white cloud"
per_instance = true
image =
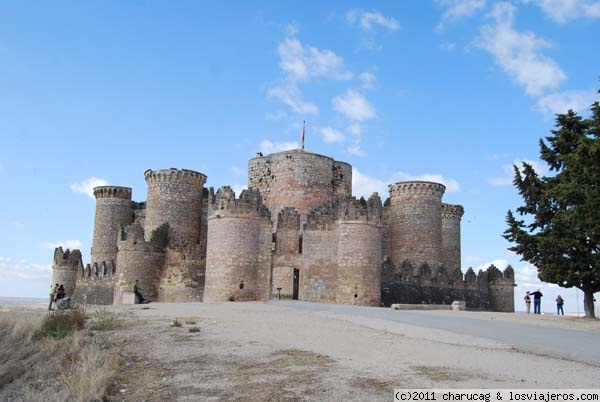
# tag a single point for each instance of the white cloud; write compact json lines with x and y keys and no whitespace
{"x":517,"y":53}
{"x":452,"y":185}
{"x":447,"y":46}
{"x":331,"y":135}
{"x":292,"y":29}
{"x":561,"y":102}
{"x":238,"y":171}
{"x":457,"y":10}
{"x":269,"y":147}
{"x":367,"y":19}
{"x":238,"y":188}
{"x":355,"y":128}
{"x":364,"y":185}
{"x":11,"y":270}
{"x":540,"y":167}
{"x":67,"y":244}
{"x":563,"y":11}
{"x":355,"y":148}
{"x":300,"y":63}
{"x":367,"y":80}
{"x":291,"y":96}
{"x":86,"y":186}
{"x":354,"y":106}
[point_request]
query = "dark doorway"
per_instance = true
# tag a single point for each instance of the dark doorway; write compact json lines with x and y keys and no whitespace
{"x":296,"y":284}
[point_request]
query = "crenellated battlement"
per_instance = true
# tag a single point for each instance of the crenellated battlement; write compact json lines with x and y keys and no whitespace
{"x":183,"y":176}
{"x":346,"y":209}
{"x":112,"y":192}
{"x":223,"y":203}
{"x":105,"y":269}
{"x":288,"y":217}
{"x":450,"y":211}
{"x":417,"y":188}
{"x":67,"y":259}
{"x":132,"y":237}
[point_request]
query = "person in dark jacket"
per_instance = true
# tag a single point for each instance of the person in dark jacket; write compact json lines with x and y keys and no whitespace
{"x":537,"y":301}
{"x":559,"y":305}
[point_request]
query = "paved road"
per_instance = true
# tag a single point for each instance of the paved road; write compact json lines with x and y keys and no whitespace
{"x":579,"y":346}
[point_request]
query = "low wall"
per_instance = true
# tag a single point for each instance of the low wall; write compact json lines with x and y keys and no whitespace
{"x":410,"y":294}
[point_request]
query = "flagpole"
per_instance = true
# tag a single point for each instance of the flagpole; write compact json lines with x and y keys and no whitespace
{"x":303,"y":129}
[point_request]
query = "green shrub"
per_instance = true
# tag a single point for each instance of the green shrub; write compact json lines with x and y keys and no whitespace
{"x":106,"y":320}
{"x":177,"y":323}
{"x":61,"y":323}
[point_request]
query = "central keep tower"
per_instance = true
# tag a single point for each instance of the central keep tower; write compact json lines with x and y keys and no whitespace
{"x":298,"y":179}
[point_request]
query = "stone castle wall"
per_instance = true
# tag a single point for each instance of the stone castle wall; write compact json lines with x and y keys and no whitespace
{"x":415,"y":223}
{"x":236,"y":230}
{"x":297,"y":228}
{"x":175,"y":198}
{"x":298,"y":179}
{"x":66,"y":268}
{"x":451,"y":216}
{"x":114,"y":209}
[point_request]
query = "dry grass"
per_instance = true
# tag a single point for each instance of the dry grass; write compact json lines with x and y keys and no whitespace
{"x":106,"y":320}
{"x":42,"y":359}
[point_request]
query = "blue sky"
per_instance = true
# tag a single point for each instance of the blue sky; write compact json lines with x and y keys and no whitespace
{"x":444,"y":90}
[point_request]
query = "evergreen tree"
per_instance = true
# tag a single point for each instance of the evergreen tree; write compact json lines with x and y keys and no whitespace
{"x":560,"y":229}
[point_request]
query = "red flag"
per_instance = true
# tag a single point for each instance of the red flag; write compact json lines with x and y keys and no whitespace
{"x":303,"y":125}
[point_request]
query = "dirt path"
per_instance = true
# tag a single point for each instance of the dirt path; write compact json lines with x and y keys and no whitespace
{"x":259,"y":352}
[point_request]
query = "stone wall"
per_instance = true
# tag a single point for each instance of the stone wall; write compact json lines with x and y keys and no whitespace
{"x":359,"y":263}
{"x":182,"y":276}
{"x":318,"y":274}
{"x":415,"y":223}
{"x":67,"y":266}
{"x":141,"y":260}
{"x":114,"y":209}
{"x":298,"y":179}
{"x":175,"y":198}
{"x":451,"y":216}
{"x":234,"y":260}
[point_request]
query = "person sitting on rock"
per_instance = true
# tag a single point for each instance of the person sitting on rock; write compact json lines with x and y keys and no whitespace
{"x":60,"y":293}
{"x":137,"y":290}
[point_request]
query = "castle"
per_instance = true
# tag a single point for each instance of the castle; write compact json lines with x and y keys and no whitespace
{"x":296,"y":233}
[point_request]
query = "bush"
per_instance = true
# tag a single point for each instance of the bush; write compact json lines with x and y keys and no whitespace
{"x":61,"y":323}
{"x":106,"y":320}
{"x":177,"y":323}
{"x":194,"y":329}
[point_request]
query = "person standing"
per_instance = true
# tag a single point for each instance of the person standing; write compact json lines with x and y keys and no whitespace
{"x":53,"y":290}
{"x":137,"y":290}
{"x":559,"y":305}
{"x":537,"y":301}
{"x":528,"y":301}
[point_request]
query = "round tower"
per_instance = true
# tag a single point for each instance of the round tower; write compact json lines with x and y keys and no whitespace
{"x":174,"y":198}
{"x":451,"y":216}
{"x":67,"y":266}
{"x":359,"y":261}
{"x":298,"y":179}
{"x":236,"y":233}
{"x":141,"y":260}
{"x":415,"y":223}
{"x":113,"y":210}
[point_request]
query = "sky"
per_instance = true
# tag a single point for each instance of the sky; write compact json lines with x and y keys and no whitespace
{"x":97,"y":92}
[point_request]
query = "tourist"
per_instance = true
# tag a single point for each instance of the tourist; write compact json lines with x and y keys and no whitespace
{"x":137,"y":290}
{"x":537,"y":301}
{"x":53,"y":290}
{"x":528,"y":301}
{"x":559,"y":305}
{"x":60,"y":293}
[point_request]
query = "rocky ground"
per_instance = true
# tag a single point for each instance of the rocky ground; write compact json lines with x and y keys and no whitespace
{"x":275,"y":352}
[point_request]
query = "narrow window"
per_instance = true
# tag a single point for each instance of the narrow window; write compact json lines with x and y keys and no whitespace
{"x":300,"y":245}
